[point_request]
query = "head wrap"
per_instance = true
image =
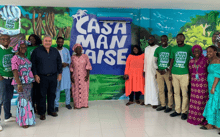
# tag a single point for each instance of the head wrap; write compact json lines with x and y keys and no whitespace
{"x":218,"y":38}
{"x":77,"y":45}
{"x":139,"y":50}
{"x":199,"y":47}
{"x":17,"y":46}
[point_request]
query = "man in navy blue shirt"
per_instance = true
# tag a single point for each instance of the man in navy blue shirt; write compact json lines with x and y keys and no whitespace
{"x":47,"y":70}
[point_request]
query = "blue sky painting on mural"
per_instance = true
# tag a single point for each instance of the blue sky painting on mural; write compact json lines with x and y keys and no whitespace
{"x":106,"y":44}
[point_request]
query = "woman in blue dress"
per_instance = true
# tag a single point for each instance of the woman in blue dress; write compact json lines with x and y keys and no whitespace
{"x":212,"y":108}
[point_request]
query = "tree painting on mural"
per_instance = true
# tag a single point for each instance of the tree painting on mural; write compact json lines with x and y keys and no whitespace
{"x":45,"y":22}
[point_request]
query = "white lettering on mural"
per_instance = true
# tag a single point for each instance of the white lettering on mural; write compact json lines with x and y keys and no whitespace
{"x":103,"y":43}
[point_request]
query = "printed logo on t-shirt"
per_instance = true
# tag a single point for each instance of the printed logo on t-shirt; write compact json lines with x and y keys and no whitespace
{"x":164,"y":59}
{"x":180,"y":58}
{"x":6,"y":61}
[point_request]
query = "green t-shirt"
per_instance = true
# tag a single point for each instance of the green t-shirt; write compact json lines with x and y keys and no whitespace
{"x":163,"y":57}
{"x":181,"y":56}
{"x":5,"y":62}
{"x":30,"y":49}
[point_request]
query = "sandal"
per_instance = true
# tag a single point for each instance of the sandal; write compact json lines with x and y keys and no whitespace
{"x":205,"y":128}
{"x":25,"y":126}
{"x":129,"y":103}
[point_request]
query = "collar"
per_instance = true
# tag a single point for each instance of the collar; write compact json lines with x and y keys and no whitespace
{"x":45,"y":49}
{"x":59,"y":49}
{"x":1,"y":46}
{"x":165,"y":47}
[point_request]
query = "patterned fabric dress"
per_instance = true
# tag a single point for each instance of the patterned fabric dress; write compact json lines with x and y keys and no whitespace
{"x":25,"y":112}
{"x":212,"y":108}
{"x":199,"y":91}
{"x":80,"y":89}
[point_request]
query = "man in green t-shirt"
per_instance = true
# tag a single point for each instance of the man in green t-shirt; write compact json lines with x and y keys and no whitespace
{"x":179,"y":74}
{"x":6,"y":77}
{"x":162,"y":54}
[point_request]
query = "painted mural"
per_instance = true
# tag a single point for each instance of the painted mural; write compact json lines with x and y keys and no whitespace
{"x":107,"y":34}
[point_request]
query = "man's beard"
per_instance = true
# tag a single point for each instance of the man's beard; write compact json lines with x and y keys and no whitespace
{"x":151,"y":44}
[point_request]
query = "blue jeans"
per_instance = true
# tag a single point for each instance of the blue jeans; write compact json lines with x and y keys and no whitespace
{"x":6,"y":91}
{"x":67,"y":92}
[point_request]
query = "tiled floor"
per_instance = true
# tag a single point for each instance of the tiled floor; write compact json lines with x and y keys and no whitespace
{"x":108,"y":119}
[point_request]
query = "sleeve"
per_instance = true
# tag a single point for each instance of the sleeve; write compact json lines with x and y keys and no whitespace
{"x":216,"y":70}
{"x":190,"y":66}
{"x":34,"y":62}
{"x":14,"y":63}
{"x":172,"y":54}
{"x":59,"y":63}
{"x":127,"y":66}
{"x":68,"y":57}
{"x":156,"y":53}
{"x":191,"y":53}
{"x":88,"y":64}
{"x":71,"y":64}
{"x":145,"y":62}
{"x":155,"y":62}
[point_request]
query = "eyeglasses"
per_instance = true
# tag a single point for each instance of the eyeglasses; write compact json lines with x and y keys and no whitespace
{"x":4,"y":39}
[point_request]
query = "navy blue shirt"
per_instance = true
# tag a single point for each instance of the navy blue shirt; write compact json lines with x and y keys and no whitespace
{"x":44,"y":63}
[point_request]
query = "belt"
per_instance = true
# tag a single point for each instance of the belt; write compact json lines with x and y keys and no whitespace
{"x":7,"y":77}
{"x":47,"y":75}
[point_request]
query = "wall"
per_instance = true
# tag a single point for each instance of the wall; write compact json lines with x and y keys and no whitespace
{"x":197,"y":25}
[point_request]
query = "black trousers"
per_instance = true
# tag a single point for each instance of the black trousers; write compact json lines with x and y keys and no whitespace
{"x":137,"y":96}
{"x":47,"y":88}
{"x":34,"y":94}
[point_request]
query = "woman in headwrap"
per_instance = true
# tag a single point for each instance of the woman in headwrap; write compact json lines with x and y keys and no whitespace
{"x":134,"y":83}
{"x":217,"y":44}
{"x":80,"y":68}
{"x":212,"y":108}
{"x":22,"y":81}
{"x":199,"y":86}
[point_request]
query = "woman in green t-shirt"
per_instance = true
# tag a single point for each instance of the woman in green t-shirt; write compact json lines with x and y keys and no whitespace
{"x":35,"y":42}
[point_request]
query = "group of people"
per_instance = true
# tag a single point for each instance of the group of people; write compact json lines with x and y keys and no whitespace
{"x":39,"y":72}
{"x":192,"y":80}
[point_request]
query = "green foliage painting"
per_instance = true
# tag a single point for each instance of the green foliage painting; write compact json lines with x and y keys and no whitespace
{"x":198,"y":27}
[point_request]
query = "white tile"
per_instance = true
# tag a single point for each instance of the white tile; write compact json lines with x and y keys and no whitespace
{"x":91,"y":133}
{"x":183,"y":135}
{"x":69,"y":127}
{"x":110,"y":124}
{"x":90,"y":125}
{"x":108,"y":119}
{"x":135,"y":132}
{"x":156,"y":131}
{"x":68,"y":134}
{"x":113,"y":132}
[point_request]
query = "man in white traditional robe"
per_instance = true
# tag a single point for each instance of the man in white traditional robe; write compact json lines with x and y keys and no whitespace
{"x":150,"y":65}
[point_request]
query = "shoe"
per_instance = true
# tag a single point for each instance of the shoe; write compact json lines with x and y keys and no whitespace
{"x":174,"y":114}
{"x":42,"y":117}
{"x":68,"y":107}
{"x":54,"y":114}
{"x":204,"y":128}
{"x":1,"y":128}
{"x":154,"y":107}
{"x":184,"y":116}
{"x":11,"y":119}
{"x":137,"y":101}
{"x":161,"y":108}
{"x":168,"y":110}
{"x":129,"y":103}
{"x":56,"y":109}
{"x":142,"y":103}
